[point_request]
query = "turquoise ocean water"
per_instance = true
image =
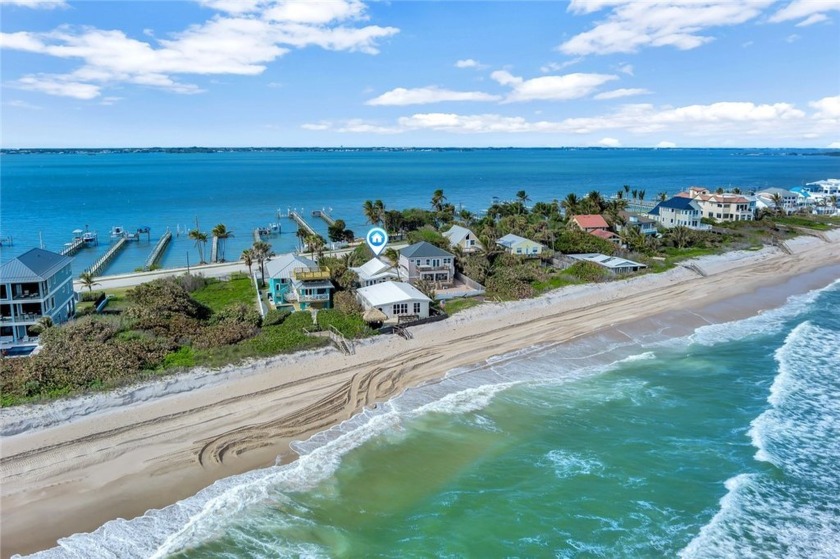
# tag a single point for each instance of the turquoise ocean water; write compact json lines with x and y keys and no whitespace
{"x":44,"y":196}
{"x":671,"y":437}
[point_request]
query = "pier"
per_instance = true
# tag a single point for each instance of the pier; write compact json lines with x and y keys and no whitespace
{"x":324,"y":215}
{"x":294,"y":215}
{"x":106,"y":258}
{"x":257,"y":236}
{"x":157,"y":252}
{"x":214,"y":250}
{"x":72,"y":248}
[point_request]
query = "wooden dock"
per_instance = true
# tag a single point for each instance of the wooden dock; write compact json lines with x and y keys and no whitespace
{"x":324,"y":215}
{"x":106,"y":258}
{"x":214,"y":249}
{"x":257,"y":236}
{"x":72,"y":248}
{"x":157,"y":252}
{"x":297,"y":218}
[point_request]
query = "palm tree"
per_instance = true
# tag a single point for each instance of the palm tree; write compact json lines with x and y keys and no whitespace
{"x":393,"y":255}
{"x":778,"y":203}
{"x":374,"y":211}
{"x":662,"y":196}
{"x":248,"y":258}
{"x":681,"y":235}
{"x":42,"y":324}
{"x":261,"y":252}
{"x":641,"y":196}
{"x":316,"y":244}
{"x":87,"y":280}
{"x":522,"y":198}
{"x":223,"y":234}
{"x":200,"y":239}
{"x":437,"y":200}
{"x":571,"y":204}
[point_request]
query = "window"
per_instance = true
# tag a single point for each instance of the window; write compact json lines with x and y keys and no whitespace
{"x":400,"y":308}
{"x":447,"y":260}
{"x":416,"y":308}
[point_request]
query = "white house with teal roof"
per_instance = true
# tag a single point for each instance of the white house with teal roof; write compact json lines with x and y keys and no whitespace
{"x":464,"y":238}
{"x":375,"y":271}
{"x":299,"y":283}
{"x":36,"y":284}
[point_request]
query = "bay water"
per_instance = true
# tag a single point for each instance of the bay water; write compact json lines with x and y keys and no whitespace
{"x":677,"y":436}
{"x":46,"y":195}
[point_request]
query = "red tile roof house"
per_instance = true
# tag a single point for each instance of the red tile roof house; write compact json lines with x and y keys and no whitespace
{"x":595,"y":225}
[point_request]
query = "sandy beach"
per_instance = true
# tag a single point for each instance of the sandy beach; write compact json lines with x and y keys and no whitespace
{"x":71,"y":466}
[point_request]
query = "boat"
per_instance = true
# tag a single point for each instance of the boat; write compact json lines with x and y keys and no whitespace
{"x":117,"y":232}
{"x":89,"y":237}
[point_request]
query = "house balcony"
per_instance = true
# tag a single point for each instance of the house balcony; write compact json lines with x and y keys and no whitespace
{"x":26,"y":296}
{"x":311,"y":274}
{"x":430,"y":268}
{"x":313,"y":298}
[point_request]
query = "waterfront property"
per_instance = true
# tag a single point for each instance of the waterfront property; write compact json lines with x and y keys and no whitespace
{"x":464,"y":238}
{"x":514,"y":244}
{"x":299,"y":283}
{"x":36,"y":284}
{"x":722,"y":207}
{"x":644,"y":224}
{"x":678,"y":212}
{"x":397,"y":300}
{"x":375,"y":271}
{"x":425,"y":261}
{"x":590,"y":223}
{"x":614,"y":264}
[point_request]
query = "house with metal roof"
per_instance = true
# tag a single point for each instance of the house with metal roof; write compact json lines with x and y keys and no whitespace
{"x":614,"y":264}
{"x":464,"y":238}
{"x":676,"y":212}
{"x":298,"y":282}
{"x":36,"y":284}
{"x":644,"y":224}
{"x":425,"y":261}
{"x":374,"y":271}
{"x":514,"y":244}
{"x":395,"y":299}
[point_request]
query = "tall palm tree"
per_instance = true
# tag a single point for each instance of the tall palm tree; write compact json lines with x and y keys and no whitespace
{"x":571,"y":204}
{"x":681,"y":235}
{"x":223,"y":234}
{"x":393,"y":255}
{"x":261,"y":253}
{"x":87,"y":280}
{"x":248,"y":258}
{"x":438,"y":200}
{"x":778,"y":203}
{"x":662,"y":196}
{"x":316,"y":245}
{"x":200,"y":239}
{"x":374,"y":211}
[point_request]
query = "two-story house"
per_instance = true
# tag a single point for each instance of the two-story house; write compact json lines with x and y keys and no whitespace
{"x":425,"y":261}
{"x":595,"y":224}
{"x":722,"y":207}
{"x":298,"y":282}
{"x":464,"y":238}
{"x":36,"y":284}
{"x":676,"y":212}
{"x":375,"y":271}
{"x":644,"y":224}
{"x":514,"y":244}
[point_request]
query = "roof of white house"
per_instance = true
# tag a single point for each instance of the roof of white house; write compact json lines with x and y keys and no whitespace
{"x":374,"y":269}
{"x":282,"y":266}
{"x":610,"y":262}
{"x":456,"y":234}
{"x":391,"y":292}
{"x":33,"y":265}
{"x":510,"y":239}
{"x":780,"y":191}
{"x":423,"y":249}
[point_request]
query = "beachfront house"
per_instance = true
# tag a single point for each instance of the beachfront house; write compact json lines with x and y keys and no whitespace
{"x":36,"y":284}
{"x":425,"y":261}
{"x":644,"y":224}
{"x":299,"y":283}
{"x":789,"y":201}
{"x":464,"y":238}
{"x":397,"y":300}
{"x":375,"y":271}
{"x":676,"y":212}
{"x":614,"y":264}
{"x":725,"y":206}
{"x":514,"y":244}
{"x":595,"y":225}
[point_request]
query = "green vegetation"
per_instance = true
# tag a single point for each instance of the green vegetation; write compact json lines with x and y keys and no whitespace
{"x":351,"y":325}
{"x":453,"y":306}
{"x":219,"y":294}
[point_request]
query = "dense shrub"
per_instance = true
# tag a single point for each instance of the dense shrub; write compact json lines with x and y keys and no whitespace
{"x":573,"y":241}
{"x":238,"y":312}
{"x":346,"y":302}
{"x":163,"y":298}
{"x":351,"y":325}
{"x":227,"y":332}
{"x":275,"y":317}
{"x":587,"y":271}
{"x":192,"y":282}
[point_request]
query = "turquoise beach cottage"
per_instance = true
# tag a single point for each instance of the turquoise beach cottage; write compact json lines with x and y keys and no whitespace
{"x":298,"y":283}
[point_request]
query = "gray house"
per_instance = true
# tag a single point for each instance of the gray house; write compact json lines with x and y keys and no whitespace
{"x":426,"y":261}
{"x":36,"y":284}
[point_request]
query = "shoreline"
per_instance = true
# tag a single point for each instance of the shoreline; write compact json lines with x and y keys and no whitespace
{"x":96,"y":465}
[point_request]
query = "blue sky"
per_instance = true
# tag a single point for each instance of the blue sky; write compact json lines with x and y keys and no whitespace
{"x":689,"y":73}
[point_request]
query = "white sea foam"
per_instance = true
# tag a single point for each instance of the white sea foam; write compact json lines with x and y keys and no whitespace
{"x":571,"y":464}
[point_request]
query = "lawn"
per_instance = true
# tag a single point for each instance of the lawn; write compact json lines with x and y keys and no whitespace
{"x":457,"y":305}
{"x":220,"y":294}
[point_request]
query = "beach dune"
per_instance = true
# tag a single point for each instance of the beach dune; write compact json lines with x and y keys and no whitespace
{"x":68,"y":467}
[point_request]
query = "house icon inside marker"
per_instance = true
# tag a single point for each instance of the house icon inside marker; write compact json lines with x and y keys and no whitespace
{"x":377,"y":239}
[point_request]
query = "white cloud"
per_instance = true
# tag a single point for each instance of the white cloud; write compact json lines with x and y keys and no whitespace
{"x":810,"y":11}
{"x":226,"y":44}
{"x":833,"y":145}
{"x":827,"y":107}
{"x":792,"y":38}
{"x":666,"y":145}
{"x":317,"y":126}
{"x":18,"y":104}
{"x":425,"y":95}
{"x":623,"y":92}
{"x":358,"y":126}
{"x":609,"y":143}
{"x":632,"y":25}
{"x":557,"y":66}
{"x":37,"y":4}
{"x":626,"y":69}
{"x":552,"y":88}
{"x":469,"y":63}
